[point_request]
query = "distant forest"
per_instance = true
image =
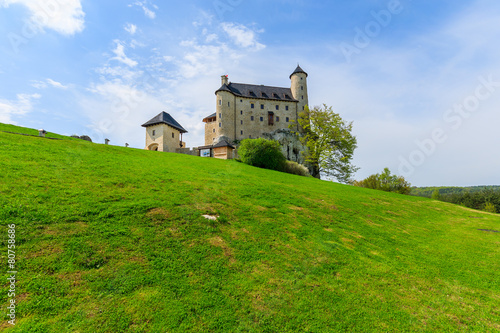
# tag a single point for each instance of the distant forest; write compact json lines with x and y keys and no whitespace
{"x":476,"y":197}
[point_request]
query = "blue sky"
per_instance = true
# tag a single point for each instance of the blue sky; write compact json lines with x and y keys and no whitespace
{"x":419,"y":79}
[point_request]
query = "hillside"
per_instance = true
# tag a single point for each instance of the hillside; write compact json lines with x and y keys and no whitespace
{"x":112,"y":239}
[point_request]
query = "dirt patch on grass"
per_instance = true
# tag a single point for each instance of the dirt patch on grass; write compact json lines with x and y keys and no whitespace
{"x":296,"y":208}
{"x":226,"y":250}
{"x":65,"y":229}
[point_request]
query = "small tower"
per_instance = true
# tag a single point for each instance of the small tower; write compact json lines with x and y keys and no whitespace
{"x":299,"y":87}
{"x":164,"y":133}
{"x":225,"y":127}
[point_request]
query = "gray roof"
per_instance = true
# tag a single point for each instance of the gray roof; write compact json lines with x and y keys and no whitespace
{"x":213,"y":115}
{"x":165,"y":118}
{"x":223,"y":143}
{"x":258,"y":92}
{"x":298,"y":70}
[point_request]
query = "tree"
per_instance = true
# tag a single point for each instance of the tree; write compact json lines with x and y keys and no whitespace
{"x":385,"y":182}
{"x":436,"y":195}
{"x":329,"y":142}
{"x":262,"y":153}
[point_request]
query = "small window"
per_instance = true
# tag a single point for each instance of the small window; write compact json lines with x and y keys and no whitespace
{"x":154,"y":132}
{"x":286,"y":107}
{"x":220,"y":101}
{"x":301,"y":87}
{"x":252,"y":105}
{"x":302,"y":97}
{"x":241,"y":101}
{"x":251,"y":93}
{"x":277,"y":119}
{"x":264,"y":95}
{"x":303,"y":108}
{"x":214,"y":130}
{"x":277,"y":107}
{"x":262,"y":106}
{"x":220,"y":124}
{"x":270,"y":117}
{"x":249,"y":136}
{"x":300,"y":79}
{"x":287,"y":119}
{"x":241,"y":122}
{"x":172,"y":135}
{"x":251,"y":118}
{"x":220,"y":115}
{"x":228,"y":103}
{"x":261,"y":118}
{"x":241,"y":132}
{"x":241,"y":112}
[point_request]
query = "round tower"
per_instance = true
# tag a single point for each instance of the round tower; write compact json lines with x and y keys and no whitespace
{"x":299,"y":87}
{"x":225,"y":112}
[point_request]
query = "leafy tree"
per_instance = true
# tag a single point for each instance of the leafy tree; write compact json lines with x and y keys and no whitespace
{"x":489,"y":207}
{"x":385,"y":182}
{"x":329,"y":141}
{"x":436,"y":195}
{"x":262,"y":153}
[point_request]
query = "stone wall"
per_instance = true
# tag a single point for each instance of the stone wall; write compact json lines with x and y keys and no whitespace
{"x":188,"y":151}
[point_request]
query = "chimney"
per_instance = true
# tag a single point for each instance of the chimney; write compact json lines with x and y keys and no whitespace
{"x":224,"y":79}
{"x":42,"y":132}
{"x":106,"y":141}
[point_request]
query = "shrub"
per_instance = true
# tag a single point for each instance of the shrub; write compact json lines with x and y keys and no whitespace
{"x":296,"y":169}
{"x":386,"y":182}
{"x":490,"y":208}
{"x":436,"y":195}
{"x":262,"y":153}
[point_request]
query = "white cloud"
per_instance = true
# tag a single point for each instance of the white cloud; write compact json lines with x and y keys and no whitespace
{"x":44,"y":84}
{"x":19,"y":107}
{"x":242,"y":36}
{"x":63,"y":16}
{"x":148,"y":12}
{"x":56,"y":84}
{"x":131,"y":28}
{"x":119,"y":51}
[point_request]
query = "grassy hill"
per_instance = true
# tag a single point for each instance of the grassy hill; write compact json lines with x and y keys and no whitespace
{"x":112,"y":239}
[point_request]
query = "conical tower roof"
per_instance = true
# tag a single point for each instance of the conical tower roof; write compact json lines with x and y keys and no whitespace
{"x":297,"y":71}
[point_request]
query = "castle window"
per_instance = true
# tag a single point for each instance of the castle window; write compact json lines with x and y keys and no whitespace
{"x":214,"y":130}
{"x":270,"y":118}
{"x":241,"y":132}
{"x":172,"y":135}
{"x":262,"y":106}
{"x":287,"y":119}
{"x":241,"y":112}
{"x":241,"y":101}
{"x":302,"y":97}
{"x":220,"y":124}
{"x":228,"y":103}
{"x":241,"y":122}
{"x":220,"y":101}
{"x":251,"y":93}
{"x":261,"y":118}
{"x":301,"y":87}
{"x":275,"y":95}
{"x":277,"y":107}
{"x":249,"y":136}
{"x":303,"y":108}
{"x":154,"y":132}
{"x":252,"y":105}
{"x":264,"y":95}
{"x":286,"y":107}
{"x":251,"y":118}
{"x":287,"y":97}
{"x":277,"y":119}
{"x":220,"y":115}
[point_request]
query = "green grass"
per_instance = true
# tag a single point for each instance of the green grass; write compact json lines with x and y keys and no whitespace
{"x":111,"y":239}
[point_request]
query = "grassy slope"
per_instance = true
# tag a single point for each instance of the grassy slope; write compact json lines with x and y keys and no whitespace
{"x":111,"y":239}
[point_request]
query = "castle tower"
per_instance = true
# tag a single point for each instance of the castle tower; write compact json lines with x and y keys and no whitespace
{"x":164,"y":133}
{"x":299,"y":89}
{"x":225,"y":127}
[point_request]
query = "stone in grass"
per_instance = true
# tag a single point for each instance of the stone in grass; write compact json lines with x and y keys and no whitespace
{"x":210,"y":217}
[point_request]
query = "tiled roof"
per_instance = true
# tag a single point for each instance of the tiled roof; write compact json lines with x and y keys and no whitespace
{"x":298,"y":70}
{"x":258,"y":92}
{"x":165,"y":118}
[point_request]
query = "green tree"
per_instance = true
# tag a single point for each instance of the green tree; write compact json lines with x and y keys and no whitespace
{"x":436,"y":195}
{"x":385,"y":182}
{"x":262,"y":153}
{"x":489,"y":207}
{"x":329,"y":142}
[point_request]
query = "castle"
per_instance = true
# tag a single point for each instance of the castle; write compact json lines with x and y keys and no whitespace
{"x":243,"y":111}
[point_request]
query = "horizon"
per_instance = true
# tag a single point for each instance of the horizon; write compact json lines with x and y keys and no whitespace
{"x":419,"y":81}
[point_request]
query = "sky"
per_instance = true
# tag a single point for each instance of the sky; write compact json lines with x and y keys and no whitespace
{"x":420,"y":80}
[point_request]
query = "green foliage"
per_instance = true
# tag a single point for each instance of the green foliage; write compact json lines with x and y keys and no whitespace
{"x":296,"y":169}
{"x":110,"y":239}
{"x":490,"y":208}
{"x":262,"y":153}
{"x":385,"y":182}
{"x":436,"y":195}
{"x":329,"y":141}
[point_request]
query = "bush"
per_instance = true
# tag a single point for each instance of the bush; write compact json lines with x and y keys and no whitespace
{"x":490,"y":208}
{"x":386,"y":182}
{"x":436,"y":195}
{"x":296,"y":169}
{"x":262,"y":153}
